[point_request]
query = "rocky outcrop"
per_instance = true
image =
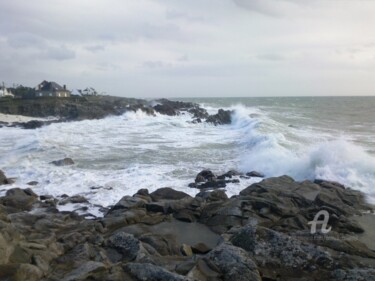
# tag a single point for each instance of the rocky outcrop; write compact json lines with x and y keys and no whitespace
{"x":222,"y":117}
{"x":3,"y":178}
{"x":261,"y":234}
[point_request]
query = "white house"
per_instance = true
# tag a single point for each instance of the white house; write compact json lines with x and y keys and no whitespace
{"x":4,"y":92}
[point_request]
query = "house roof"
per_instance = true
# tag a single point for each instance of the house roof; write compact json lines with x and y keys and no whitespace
{"x":50,"y":86}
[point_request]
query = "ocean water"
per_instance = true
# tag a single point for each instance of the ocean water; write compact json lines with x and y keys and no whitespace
{"x":311,"y":137}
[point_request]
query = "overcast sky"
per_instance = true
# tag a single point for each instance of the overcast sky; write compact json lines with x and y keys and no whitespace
{"x":191,"y":48}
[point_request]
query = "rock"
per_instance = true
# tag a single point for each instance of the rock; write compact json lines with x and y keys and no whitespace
{"x":33,"y":124}
{"x":229,"y":174}
{"x":156,"y":207}
{"x":19,"y":199}
{"x":73,"y":200}
{"x":127,"y":202}
{"x":3,"y":179}
{"x":186,"y":250}
{"x":85,"y":271}
{"x":221,"y":118}
{"x":215,"y":195}
{"x":147,"y":271}
{"x":165,"y":109}
{"x":32,"y":183}
{"x":329,"y":184}
{"x":212,"y":184}
{"x":20,"y":272}
{"x":255,"y":174}
{"x":229,"y":262}
{"x":200,"y":248}
{"x":167,"y":193}
{"x":124,"y":244}
{"x":205,"y":175}
{"x":63,"y":162}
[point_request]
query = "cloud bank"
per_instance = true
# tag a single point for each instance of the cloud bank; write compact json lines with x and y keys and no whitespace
{"x":157,"y":48}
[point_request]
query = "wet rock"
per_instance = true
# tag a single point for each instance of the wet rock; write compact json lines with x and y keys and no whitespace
{"x":63,"y":162}
{"x":33,"y":183}
{"x":205,"y":175}
{"x":255,"y":174}
{"x":229,"y":174}
{"x":222,"y":117}
{"x":73,"y":200}
{"x":165,"y":109}
{"x":33,"y":124}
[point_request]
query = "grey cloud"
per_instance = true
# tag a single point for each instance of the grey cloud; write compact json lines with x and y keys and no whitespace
{"x":58,"y":53}
{"x":25,"y":40}
{"x":95,"y":48}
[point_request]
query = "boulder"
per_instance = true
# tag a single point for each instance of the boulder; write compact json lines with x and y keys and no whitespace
{"x":255,"y":174}
{"x":19,"y":199}
{"x":168,"y":193}
{"x":126,"y":245}
{"x":205,"y":175}
{"x":63,"y":162}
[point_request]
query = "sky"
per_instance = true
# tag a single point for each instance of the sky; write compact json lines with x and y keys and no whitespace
{"x":191,"y":48}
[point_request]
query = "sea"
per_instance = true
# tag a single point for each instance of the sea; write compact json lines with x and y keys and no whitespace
{"x":331,"y":138}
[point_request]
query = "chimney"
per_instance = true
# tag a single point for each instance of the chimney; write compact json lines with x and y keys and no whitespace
{"x":64,"y":87}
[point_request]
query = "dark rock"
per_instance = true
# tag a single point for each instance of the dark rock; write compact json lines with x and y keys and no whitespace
{"x":165,"y":109}
{"x":329,"y":184}
{"x":221,"y":118}
{"x":215,"y":195}
{"x":212,"y":184}
{"x":33,"y":124}
{"x":255,"y":174}
{"x":19,"y":199}
{"x":155,"y":207}
{"x":167,"y":193}
{"x":230,"y":263}
{"x":125,"y":244}
{"x":32,"y":183}
{"x":63,"y":162}
{"x":3,"y":179}
{"x":73,"y":200}
{"x":205,"y":175}
{"x":128,"y":202}
{"x":200,"y":248}
{"x":229,"y":174}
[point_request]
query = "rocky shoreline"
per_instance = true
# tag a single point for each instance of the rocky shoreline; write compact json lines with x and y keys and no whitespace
{"x":98,"y":107}
{"x":263,"y":233}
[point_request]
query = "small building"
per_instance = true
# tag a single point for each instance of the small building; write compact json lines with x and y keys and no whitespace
{"x":51,"y":89}
{"x":4,"y":92}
